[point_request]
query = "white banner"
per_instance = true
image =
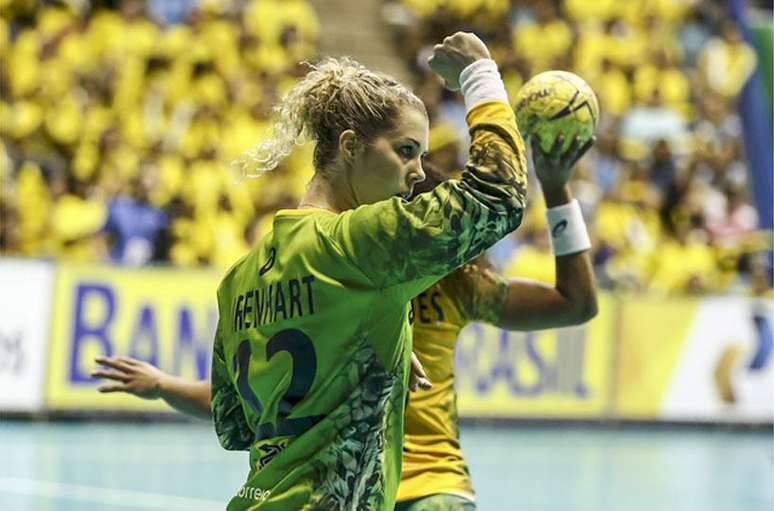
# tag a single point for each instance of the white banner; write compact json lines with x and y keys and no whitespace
{"x":726,"y":368}
{"x":26,"y":289}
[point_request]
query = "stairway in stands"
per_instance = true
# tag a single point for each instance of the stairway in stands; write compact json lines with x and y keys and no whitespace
{"x":355,"y":28}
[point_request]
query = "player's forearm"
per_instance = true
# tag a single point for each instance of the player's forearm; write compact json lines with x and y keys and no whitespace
{"x":574,"y":273}
{"x":575,"y":283}
{"x":557,"y":196}
{"x":496,"y":172}
{"x":572,"y":300}
{"x":532,"y":305}
{"x":189,"y":397}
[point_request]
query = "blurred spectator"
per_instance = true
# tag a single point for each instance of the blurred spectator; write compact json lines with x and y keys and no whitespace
{"x":718,"y":124}
{"x":726,"y":62}
{"x":168,"y":12}
{"x":737,"y":219}
{"x":77,"y":217}
{"x":628,"y":228}
{"x":135,"y":226}
{"x":604,"y":160}
{"x":685,"y":263}
{"x":663,"y":168}
{"x":533,"y":259}
{"x":613,"y":89}
{"x":644,"y":124}
{"x":543,"y":37}
{"x":693,"y":35}
{"x":663,"y":75}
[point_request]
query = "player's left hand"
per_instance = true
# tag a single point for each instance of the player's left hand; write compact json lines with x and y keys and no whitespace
{"x":554,"y":168}
{"x":454,"y":54}
{"x":418,"y":378}
{"x":132,"y":376}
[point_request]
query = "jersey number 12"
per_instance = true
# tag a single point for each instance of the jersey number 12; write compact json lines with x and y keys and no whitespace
{"x":301,"y":350}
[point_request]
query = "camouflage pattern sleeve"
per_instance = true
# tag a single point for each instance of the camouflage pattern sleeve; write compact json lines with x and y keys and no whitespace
{"x":395,"y":242}
{"x":233,"y":431}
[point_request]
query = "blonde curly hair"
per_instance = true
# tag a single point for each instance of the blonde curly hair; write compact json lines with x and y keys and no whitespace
{"x":337,"y":94}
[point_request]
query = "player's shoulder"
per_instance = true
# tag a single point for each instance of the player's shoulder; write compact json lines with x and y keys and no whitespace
{"x":475,"y":289}
{"x":224,"y":288}
{"x":250,"y":264}
{"x":304,"y":226}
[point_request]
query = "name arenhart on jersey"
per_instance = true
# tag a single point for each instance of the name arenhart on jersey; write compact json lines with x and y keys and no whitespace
{"x":280,"y":300}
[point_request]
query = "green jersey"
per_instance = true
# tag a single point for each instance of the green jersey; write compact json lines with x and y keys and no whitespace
{"x":312,"y":353}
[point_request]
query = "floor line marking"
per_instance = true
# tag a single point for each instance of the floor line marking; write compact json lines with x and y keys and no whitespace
{"x":102,"y":495}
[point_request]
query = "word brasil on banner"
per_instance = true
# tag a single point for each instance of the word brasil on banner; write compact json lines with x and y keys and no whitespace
{"x":552,"y":373}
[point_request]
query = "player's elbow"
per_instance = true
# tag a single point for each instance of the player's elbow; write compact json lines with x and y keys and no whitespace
{"x":582,"y":311}
{"x":591,"y":310}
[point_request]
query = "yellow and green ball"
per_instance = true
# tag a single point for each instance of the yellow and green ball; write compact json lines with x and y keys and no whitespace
{"x":556,"y":103}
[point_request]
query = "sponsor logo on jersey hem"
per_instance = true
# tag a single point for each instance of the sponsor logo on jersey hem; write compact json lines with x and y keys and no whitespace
{"x":253,"y":493}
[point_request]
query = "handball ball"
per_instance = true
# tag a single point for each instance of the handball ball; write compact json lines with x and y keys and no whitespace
{"x":556,"y":103}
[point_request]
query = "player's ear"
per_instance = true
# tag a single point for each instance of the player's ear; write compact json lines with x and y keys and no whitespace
{"x":348,"y":144}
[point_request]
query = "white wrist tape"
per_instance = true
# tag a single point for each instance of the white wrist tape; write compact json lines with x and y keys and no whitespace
{"x":480,"y":82}
{"x":567,"y":230}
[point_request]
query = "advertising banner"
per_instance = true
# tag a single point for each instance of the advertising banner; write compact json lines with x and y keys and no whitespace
{"x":705,"y":359}
{"x":164,"y":316}
{"x":25,"y":304}
{"x":563,"y":373}
{"x":708,"y":359}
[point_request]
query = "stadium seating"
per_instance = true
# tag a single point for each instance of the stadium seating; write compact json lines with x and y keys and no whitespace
{"x":118,"y":128}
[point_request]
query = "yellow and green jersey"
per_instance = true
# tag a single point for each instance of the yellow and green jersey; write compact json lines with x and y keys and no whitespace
{"x":432,"y":458}
{"x":312,"y":352}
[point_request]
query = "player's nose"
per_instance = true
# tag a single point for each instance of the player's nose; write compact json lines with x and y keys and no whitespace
{"x":416,"y":174}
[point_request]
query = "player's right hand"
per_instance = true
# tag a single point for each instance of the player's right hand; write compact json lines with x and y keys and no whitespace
{"x":132,"y":376}
{"x":554,"y":168}
{"x":454,"y":54}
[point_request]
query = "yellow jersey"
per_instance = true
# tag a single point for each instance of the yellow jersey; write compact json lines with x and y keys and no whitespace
{"x":432,"y":457}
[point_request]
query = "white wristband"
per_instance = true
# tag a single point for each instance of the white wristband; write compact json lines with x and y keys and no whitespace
{"x":480,"y":81}
{"x":567,"y":230}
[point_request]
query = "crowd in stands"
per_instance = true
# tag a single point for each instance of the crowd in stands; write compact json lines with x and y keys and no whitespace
{"x":119,"y":121}
{"x":118,"y":126}
{"x":665,"y":189}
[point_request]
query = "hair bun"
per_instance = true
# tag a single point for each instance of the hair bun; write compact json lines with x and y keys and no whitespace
{"x":338,"y":93}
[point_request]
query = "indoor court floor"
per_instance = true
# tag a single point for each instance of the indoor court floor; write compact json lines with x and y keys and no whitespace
{"x":90,"y":466}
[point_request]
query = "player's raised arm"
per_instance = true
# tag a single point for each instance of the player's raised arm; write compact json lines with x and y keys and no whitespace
{"x":397,"y":242}
{"x":521,"y":304}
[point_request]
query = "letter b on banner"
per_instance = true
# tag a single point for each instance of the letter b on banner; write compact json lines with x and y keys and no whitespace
{"x":88,"y":329}
{"x":163,"y":316}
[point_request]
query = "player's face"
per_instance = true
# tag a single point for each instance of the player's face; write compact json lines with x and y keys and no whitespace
{"x":392,"y":163}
